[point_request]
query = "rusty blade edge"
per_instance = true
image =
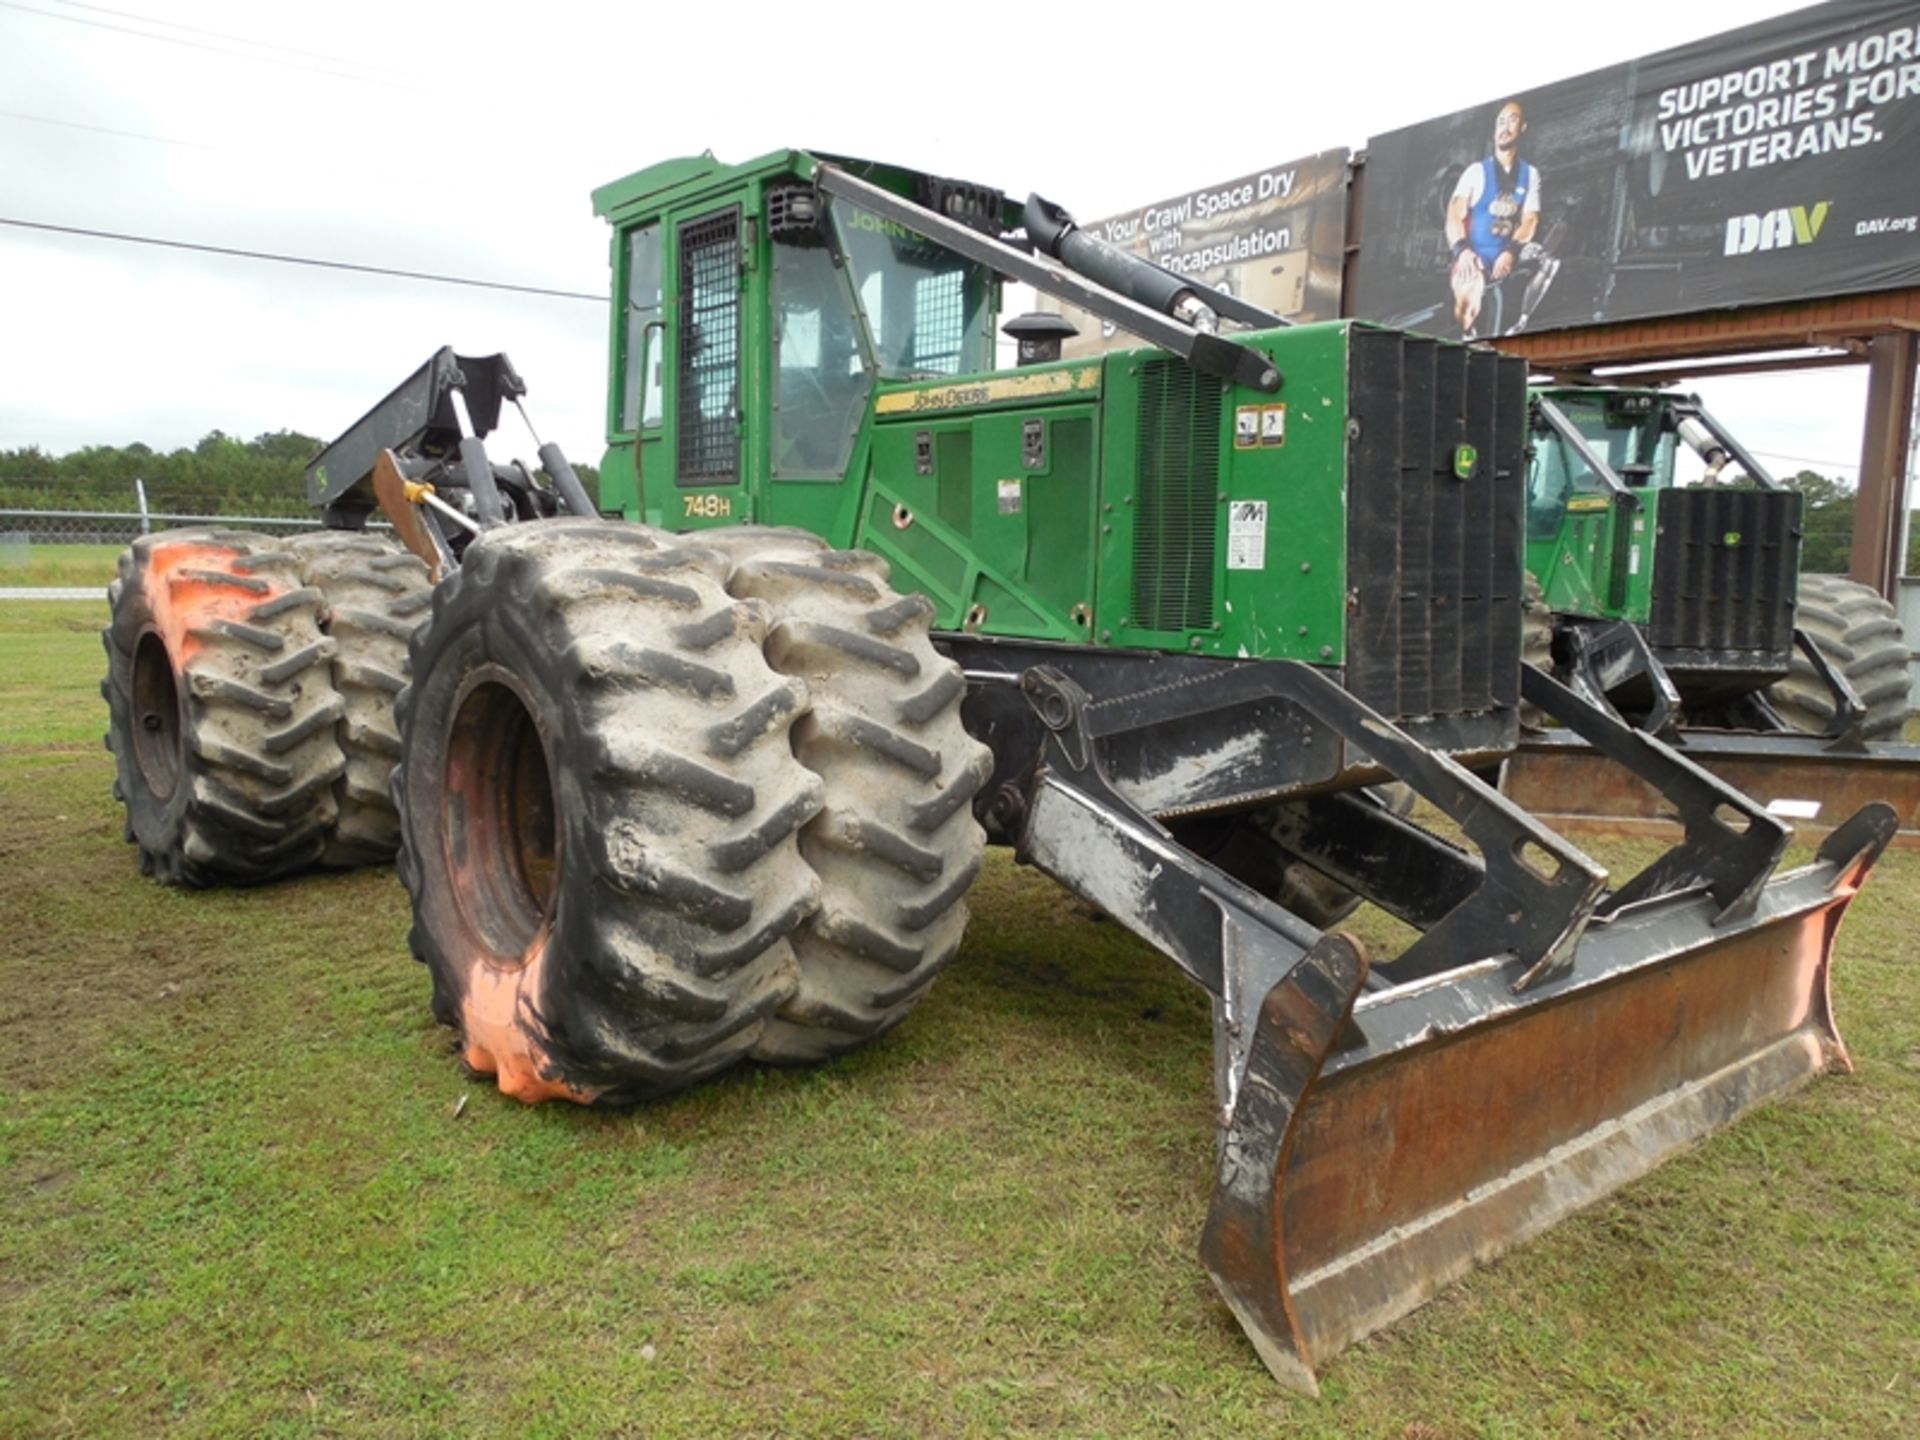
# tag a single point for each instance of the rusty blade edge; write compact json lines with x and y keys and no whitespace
{"x":1368,"y":1289}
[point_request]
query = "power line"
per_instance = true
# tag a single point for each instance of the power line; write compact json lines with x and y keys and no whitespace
{"x":101,"y":129}
{"x":300,"y":259}
{"x":198,"y":45}
{"x":224,"y":35}
{"x":1804,"y":460}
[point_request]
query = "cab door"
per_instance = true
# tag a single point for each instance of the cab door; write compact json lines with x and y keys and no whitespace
{"x":635,"y":472}
{"x":704,"y":440}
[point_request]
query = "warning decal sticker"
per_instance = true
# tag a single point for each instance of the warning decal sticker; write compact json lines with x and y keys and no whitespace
{"x":1247,"y":535}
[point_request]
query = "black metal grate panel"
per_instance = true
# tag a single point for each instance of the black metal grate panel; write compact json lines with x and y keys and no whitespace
{"x":1724,"y":569}
{"x":1507,"y":559}
{"x":1477,"y":504}
{"x":1434,"y":487}
{"x":1179,"y":498}
{"x":708,"y":442}
{"x":1447,"y":533}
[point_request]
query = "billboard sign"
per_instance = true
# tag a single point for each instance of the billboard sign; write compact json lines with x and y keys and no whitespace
{"x":1775,"y":162}
{"x":1272,"y":238}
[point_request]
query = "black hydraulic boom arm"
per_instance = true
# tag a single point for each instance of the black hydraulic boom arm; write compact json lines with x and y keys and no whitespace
{"x":1206,"y":352}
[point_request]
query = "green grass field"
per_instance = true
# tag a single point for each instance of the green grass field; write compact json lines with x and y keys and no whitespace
{"x":46,"y":565}
{"x":239,"y":1196}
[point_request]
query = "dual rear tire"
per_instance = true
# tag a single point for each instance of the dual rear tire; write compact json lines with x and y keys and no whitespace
{"x":670,"y":803}
{"x":661,"y":804}
{"x":222,"y":714}
{"x":249,"y":687}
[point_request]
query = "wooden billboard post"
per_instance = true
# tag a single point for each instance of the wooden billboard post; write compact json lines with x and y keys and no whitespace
{"x":1878,"y":528}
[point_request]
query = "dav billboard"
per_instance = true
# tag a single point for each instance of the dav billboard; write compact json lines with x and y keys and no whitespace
{"x":1776,"y":162}
{"x":1272,"y":238}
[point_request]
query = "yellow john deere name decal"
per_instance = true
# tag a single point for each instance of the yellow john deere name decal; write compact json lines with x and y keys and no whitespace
{"x":985,"y":392}
{"x":1589,"y":502}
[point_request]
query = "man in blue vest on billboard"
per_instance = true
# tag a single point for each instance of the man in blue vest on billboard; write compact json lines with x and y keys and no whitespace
{"x":1491,"y":218}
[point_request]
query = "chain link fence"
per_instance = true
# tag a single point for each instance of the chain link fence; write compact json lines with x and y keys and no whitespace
{"x":21,"y":529}
{"x":63,"y":512}
{"x":46,"y":525}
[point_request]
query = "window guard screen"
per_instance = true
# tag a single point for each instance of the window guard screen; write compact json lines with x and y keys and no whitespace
{"x":926,"y":308}
{"x":708,"y":444}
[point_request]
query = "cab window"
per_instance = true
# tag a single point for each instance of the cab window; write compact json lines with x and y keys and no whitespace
{"x":820,"y":383}
{"x":640,"y":399}
{"x":926,"y":308}
{"x":1559,"y":473}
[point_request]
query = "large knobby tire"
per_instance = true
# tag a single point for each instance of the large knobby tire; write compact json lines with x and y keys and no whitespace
{"x":376,"y":595}
{"x":1860,"y":636}
{"x":600,"y":807}
{"x":221,"y":708}
{"x":895,"y":845}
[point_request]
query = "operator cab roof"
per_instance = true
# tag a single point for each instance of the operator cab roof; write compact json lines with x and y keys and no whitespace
{"x":661,"y":186}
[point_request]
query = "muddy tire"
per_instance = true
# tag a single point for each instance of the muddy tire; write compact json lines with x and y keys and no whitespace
{"x":600,"y":810}
{"x":1860,"y":636}
{"x":376,"y":595}
{"x":895,"y":845}
{"x":221,"y":708}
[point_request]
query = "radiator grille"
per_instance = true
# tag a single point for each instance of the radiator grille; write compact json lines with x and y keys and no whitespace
{"x":1724,"y":568}
{"x":1179,"y":495}
{"x":1435,"y":499}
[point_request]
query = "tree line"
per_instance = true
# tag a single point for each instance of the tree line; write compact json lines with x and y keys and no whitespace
{"x":1826,"y":525}
{"x":222,"y":475}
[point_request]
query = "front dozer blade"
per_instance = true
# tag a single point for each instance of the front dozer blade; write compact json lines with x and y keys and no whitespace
{"x":1455,"y":1119}
{"x":1388,"y":1124}
{"x":1802,"y":778}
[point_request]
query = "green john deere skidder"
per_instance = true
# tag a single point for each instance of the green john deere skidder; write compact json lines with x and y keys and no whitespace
{"x":706,"y":777}
{"x":1683,"y":608}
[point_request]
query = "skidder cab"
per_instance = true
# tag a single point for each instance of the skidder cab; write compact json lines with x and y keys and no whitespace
{"x":1189,"y":625}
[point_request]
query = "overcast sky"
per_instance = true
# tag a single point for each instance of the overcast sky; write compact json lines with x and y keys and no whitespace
{"x":464,"y":140}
